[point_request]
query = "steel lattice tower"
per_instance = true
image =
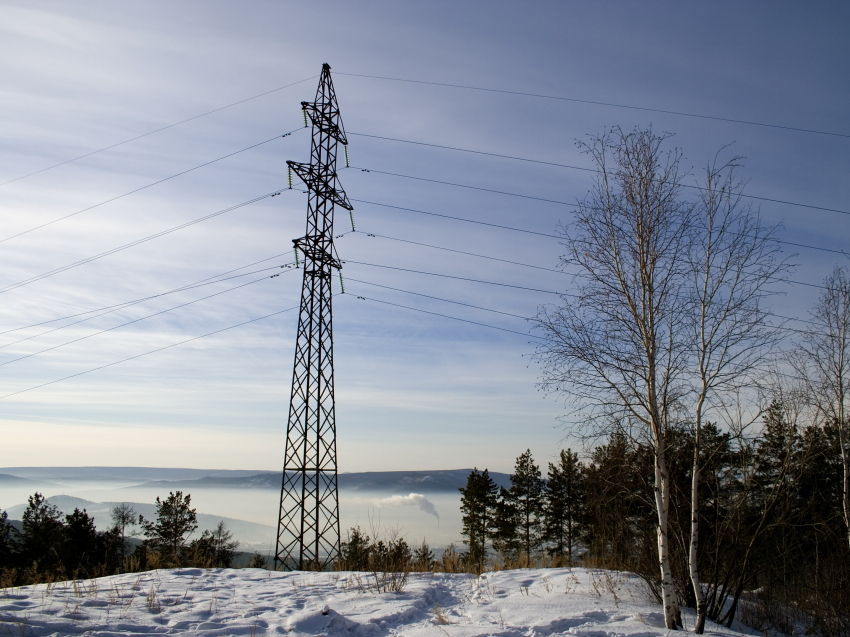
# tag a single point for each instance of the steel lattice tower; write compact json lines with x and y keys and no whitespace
{"x":308,"y":523}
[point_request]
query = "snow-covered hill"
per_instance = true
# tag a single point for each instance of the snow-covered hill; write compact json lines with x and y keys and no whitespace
{"x":590,"y":603}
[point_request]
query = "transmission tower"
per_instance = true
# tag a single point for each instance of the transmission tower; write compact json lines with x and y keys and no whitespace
{"x":308,"y":523}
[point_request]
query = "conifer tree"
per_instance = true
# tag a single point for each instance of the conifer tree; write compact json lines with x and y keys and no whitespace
{"x":8,"y":541}
{"x":478,"y":504}
{"x":526,"y":497}
{"x":43,"y":532}
{"x":176,"y":520}
{"x":505,"y":523}
{"x":423,"y":557}
{"x":81,"y":543}
{"x":564,"y":507}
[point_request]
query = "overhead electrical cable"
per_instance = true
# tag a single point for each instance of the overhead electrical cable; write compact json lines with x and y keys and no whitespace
{"x":454,"y":318}
{"x":541,"y":234}
{"x":117,"y":306}
{"x":153,"y":351}
{"x":459,"y":278}
{"x":449,"y":183}
{"x":437,"y":214}
{"x":611,"y":104}
{"x":592,"y":170}
{"x":132,"y":139}
{"x":526,"y":318}
{"x":143,"y":318}
{"x":437,"y":298}
{"x":790,"y":318}
{"x":126,"y":194}
{"x":64,"y":268}
{"x":93,"y":314}
{"x":471,"y":254}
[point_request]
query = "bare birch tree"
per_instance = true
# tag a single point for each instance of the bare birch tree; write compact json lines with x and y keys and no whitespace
{"x":618,"y":348}
{"x":823,"y":360}
{"x":733,"y":259}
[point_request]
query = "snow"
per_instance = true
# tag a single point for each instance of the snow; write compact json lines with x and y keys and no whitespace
{"x":528,"y":603}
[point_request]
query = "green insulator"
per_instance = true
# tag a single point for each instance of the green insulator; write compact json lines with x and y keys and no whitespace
{"x":341,"y":282}
{"x":351,"y":217}
{"x":297,"y":261}
{"x":304,"y":111}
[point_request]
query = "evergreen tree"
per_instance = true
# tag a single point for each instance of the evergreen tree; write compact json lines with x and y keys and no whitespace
{"x":43,"y":533}
{"x":505,"y":523}
{"x":258,"y":561}
{"x":565,"y":502}
{"x":478,"y":504}
{"x":175,"y":521}
{"x":525,"y":497}
{"x":81,"y":546}
{"x":354,"y":552}
{"x":423,"y":557}
{"x":214,"y":548}
{"x":8,"y":542}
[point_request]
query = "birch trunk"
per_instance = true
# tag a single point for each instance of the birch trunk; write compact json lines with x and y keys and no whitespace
{"x":662,"y":505}
{"x":693,"y":553}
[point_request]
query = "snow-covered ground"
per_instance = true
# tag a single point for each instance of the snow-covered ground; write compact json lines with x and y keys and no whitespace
{"x":528,"y":603}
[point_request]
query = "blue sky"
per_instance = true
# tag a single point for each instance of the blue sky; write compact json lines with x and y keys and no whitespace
{"x":413,"y":390}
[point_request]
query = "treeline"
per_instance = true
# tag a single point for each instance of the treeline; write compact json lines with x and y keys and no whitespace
{"x":53,"y":547}
{"x":775,"y":552}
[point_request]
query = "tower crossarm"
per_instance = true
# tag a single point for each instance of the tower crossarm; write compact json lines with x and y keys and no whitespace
{"x":322,"y":184}
{"x":312,"y":250}
{"x":325,"y":117}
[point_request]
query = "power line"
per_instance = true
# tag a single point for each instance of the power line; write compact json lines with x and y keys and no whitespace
{"x":592,"y":170}
{"x":132,"y":139}
{"x":459,"y":278}
{"x":182,"y":288}
{"x":471,"y":254}
{"x":596,"y":103}
{"x":123,"y":306}
{"x":115,"y":327}
{"x":454,"y":318}
{"x":545,"y":291}
{"x":189,"y":340}
{"x":449,"y":183}
{"x":437,"y":298}
{"x":437,"y":214}
{"x":126,"y":194}
{"x":813,"y":285}
{"x":545,"y":234}
{"x":44,"y":275}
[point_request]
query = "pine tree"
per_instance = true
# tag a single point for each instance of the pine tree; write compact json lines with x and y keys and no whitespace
{"x":478,"y":503}
{"x":423,"y":557}
{"x":505,"y":523}
{"x":176,"y":520}
{"x":525,"y":497}
{"x":43,"y":533}
{"x":82,"y":544}
{"x":214,"y":548}
{"x":8,"y":542}
{"x":565,"y":501}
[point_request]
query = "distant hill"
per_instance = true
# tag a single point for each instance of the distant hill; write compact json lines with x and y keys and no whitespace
{"x":126,"y":474}
{"x":388,"y":481}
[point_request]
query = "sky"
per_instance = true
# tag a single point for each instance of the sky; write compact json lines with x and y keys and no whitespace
{"x":414,"y":390}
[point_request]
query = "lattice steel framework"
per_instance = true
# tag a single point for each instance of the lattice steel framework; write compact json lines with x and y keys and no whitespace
{"x":308,"y":523}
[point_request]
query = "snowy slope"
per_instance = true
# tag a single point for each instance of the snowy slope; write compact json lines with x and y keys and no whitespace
{"x":257,"y":602}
